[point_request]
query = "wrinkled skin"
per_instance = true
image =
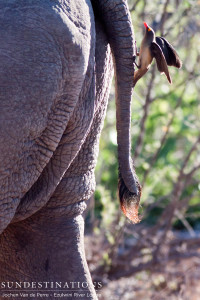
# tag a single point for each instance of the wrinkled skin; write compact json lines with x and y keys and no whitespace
{"x":56,"y":69}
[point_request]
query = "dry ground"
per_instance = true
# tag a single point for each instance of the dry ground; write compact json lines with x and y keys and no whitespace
{"x":177,"y":278}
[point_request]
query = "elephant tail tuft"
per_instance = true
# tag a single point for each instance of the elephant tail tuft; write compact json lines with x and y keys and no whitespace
{"x":129,"y":201}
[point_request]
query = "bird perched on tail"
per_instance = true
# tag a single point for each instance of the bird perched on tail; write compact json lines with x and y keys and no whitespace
{"x":158,"y":48}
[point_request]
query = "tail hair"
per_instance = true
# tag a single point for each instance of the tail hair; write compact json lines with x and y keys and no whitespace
{"x":129,"y":201}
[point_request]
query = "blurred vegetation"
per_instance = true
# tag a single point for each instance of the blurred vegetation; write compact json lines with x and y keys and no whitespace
{"x":165,"y":147}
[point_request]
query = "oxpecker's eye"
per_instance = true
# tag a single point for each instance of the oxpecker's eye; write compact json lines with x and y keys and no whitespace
{"x":149,"y":29}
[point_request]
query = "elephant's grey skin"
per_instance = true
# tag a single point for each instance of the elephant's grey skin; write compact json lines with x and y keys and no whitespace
{"x":55,"y":72}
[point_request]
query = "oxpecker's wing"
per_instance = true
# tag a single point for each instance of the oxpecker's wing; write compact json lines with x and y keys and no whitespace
{"x":160,"y":60}
{"x":169,"y":52}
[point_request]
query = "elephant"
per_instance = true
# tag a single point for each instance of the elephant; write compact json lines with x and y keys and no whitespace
{"x":56,"y":66}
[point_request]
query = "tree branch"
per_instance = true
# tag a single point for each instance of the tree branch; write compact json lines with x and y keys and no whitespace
{"x":164,"y":137}
{"x":139,"y":142}
{"x":134,"y":5}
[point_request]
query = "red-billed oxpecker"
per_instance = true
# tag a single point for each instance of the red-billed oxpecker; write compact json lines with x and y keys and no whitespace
{"x":158,"y":48}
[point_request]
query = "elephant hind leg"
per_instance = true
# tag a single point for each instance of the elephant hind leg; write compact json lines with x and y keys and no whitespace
{"x":52,"y":251}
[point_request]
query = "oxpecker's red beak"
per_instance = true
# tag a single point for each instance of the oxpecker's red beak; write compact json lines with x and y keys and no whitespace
{"x":145,"y":24}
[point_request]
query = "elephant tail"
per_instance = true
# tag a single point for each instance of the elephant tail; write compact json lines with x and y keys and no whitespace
{"x":117,"y":23}
{"x":129,"y":201}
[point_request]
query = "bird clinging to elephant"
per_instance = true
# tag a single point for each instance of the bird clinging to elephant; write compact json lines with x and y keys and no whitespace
{"x":56,"y":70}
{"x":158,"y":48}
